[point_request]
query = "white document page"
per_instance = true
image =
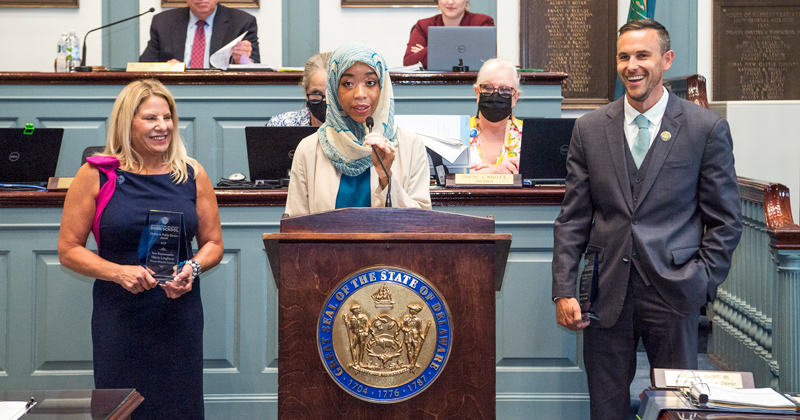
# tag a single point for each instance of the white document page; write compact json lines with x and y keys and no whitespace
{"x":222,"y":58}
{"x":447,"y":135}
{"x":407,"y":69}
{"x":12,"y":410}
{"x":754,"y":397}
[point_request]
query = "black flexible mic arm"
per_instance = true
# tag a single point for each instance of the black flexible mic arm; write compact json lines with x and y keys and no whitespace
{"x":83,"y":56}
{"x":370,"y":123}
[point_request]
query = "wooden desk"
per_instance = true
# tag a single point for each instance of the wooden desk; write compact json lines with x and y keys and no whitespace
{"x":89,"y":404}
{"x":277,"y":198}
{"x":214,"y":107}
{"x":47,"y":309}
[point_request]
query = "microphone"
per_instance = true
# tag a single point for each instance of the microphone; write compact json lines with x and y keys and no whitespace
{"x":371,"y":123}
{"x":83,"y":67}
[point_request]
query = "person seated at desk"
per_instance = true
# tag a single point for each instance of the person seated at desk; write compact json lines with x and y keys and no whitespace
{"x":339,"y":166}
{"x":454,"y":13}
{"x":191,"y":34}
{"x":144,"y":336}
{"x":315,"y":75}
{"x":495,"y":136}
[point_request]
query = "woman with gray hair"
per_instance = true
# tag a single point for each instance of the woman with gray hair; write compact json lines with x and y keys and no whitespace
{"x":315,"y":75}
{"x":495,"y":136}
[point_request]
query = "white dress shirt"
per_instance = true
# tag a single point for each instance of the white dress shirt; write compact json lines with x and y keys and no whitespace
{"x":654,"y":115}
{"x":190,"y":30}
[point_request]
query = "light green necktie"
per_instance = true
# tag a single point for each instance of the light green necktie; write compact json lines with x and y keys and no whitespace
{"x":642,"y":142}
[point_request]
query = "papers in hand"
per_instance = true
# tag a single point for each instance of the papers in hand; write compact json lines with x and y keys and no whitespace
{"x":222,"y":58}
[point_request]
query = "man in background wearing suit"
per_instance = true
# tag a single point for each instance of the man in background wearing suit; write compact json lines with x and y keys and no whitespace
{"x":191,"y":34}
{"x":657,"y":215}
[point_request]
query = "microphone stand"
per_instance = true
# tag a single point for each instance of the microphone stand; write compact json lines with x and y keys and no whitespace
{"x":370,"y":123}
{"x":83,"y":67}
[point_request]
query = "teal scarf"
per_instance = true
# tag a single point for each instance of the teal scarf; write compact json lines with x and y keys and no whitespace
{"x":342,"y":138}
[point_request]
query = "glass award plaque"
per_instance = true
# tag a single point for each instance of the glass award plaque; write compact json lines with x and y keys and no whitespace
{"x":587,"y":292}
{"x":160,"y":245}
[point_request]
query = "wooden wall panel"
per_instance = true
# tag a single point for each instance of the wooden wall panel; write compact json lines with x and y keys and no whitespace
{"x":221,"y":291}
{"x":63,"y":303}
{"x":4,"y":321}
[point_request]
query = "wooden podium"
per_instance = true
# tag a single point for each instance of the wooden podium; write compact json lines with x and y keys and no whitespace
{"x":459,"y":256}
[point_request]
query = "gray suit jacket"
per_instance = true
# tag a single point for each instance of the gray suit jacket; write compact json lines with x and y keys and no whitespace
{"x":168,"y":33}
{"x":684,"y":225}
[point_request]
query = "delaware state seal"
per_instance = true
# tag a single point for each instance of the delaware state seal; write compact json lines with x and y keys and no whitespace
{"x":384,"y":334}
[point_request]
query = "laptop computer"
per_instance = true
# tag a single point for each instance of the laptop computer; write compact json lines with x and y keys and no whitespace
{"x":544,"y":148}
{"x":29,"y":159}
{"x":472,"y":44}
{"x":270,"y":151}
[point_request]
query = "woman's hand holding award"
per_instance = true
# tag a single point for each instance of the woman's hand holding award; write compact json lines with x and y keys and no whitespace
{"x":160,"y":244}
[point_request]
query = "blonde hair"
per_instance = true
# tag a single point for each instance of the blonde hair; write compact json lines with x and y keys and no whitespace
{"x":317,"y":62}
{"x":118,"y":140}
{"x":489,"y":68}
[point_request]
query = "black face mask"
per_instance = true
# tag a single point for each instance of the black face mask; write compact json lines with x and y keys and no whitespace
{"x":317,"y":109}
{"x":494,"y":107}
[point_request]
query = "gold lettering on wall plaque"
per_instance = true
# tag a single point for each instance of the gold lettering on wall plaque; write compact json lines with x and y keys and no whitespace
{"x":756,"y":50}
{"x":577,"y":37}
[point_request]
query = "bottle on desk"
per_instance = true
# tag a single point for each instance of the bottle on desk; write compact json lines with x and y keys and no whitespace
{"x":73,"y":51}
{"x":61,"y":55}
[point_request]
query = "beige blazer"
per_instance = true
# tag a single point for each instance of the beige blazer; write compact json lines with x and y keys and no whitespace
{"x":314,"y":182}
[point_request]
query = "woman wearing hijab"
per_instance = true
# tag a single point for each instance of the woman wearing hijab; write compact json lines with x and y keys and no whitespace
{"x":495,"y":136}
{"x":340,"y":165}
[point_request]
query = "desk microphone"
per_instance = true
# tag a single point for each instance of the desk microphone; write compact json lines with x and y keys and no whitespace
{"x":370,"y":123}
{"x":83,"y":67}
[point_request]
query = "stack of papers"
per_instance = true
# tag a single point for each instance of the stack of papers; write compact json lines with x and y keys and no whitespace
{"x":407,"y":69}
{"x":251,"y":67}
{"x":447,"y":135}
{"x":751,"y":399}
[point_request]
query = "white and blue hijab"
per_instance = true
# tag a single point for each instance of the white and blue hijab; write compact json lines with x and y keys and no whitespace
{"x":342,"y":138}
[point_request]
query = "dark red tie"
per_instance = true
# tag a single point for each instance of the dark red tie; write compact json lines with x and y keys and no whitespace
{"x":199,"y":46}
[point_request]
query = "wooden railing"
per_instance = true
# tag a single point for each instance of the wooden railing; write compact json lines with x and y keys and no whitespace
{"x":756,"y":316}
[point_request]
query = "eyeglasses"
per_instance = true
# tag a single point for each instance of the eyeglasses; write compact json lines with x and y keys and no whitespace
{"x":315,"y":97}
{"x":504,"y":91}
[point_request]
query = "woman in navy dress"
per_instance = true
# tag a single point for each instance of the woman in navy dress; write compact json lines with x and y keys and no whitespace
{"x":145,"y":335}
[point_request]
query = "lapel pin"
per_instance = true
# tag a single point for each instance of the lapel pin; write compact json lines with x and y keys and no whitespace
{"x":665,"y":135}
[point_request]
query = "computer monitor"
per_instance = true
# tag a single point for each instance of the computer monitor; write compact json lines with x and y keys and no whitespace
{"x":270,"y":151}
{"x":544,"y":148}
{"x":29,"y":156}
{"x":472,"y":44}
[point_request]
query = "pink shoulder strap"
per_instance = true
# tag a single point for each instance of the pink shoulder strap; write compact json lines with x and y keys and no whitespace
{"x":108,"y":166}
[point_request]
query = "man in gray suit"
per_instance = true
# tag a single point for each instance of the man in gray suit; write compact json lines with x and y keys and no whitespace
{"x":653,"y":203}
{"x":173,"y":32}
